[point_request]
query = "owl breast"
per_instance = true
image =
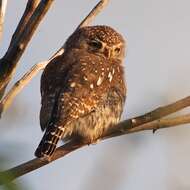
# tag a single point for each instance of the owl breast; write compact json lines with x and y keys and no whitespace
{"x":93,"y":125}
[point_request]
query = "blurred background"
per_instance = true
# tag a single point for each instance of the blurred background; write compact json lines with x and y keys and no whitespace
{"x":157,"y":72}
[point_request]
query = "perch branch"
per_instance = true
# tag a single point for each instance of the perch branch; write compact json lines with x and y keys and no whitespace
{"x":19,"y":85}
{"x":16,"y":48}
{"x":3,"y":5}
{"x":150,"y":121}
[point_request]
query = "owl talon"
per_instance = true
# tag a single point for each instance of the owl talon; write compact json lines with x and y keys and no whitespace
{"x":45,"y":158}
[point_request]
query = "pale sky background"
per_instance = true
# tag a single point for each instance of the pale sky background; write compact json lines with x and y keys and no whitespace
{"x":157,"y":67}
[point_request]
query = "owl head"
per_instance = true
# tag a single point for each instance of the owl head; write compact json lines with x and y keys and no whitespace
{"x":100,"y":40}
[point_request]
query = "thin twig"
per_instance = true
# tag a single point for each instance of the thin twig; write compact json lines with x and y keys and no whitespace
{"x":16,"y":49}
{"x":93,"y":13}
{"x":19,"y":85}
{"x":153,"y":122}
{"x":3,"y":5}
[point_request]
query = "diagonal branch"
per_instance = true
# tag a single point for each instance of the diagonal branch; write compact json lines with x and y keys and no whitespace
{"x":19,"y":85}
{"x":30,"y":8}
{"x":150,"y":121}
{"x":93,"y":13}
{"x":3,"y":5}
{"x":17,"y":46}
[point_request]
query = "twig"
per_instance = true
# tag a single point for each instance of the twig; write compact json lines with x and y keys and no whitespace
{"x":93,"y":13}
{"x":3,"y":5}
{"x":9,"y":61}
{"x":19,"y":85}
{"x":154,"y":121}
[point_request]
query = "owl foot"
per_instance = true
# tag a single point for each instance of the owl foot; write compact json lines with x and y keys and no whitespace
{"x":46,"y":158}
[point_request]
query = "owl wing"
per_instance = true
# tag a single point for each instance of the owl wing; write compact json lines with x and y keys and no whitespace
{"x":50,"y":88}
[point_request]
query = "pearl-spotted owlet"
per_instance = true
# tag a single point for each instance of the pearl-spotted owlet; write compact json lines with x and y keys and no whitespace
{"x":83,"y":91}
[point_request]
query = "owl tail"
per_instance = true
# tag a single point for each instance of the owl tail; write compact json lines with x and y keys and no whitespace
{"x":49,"y":142}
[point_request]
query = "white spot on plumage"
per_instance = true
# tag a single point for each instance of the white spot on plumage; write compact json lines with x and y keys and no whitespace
{"x":73,"y":84}
{"x":49,"y":142}
{"x":55,"y":135}
{"x":81,"y":111}
{"x":61,"y":128}
{"x":113,"y":71}
{"x":110,"y":77}
{"x":85,"y":78}
{"x":91,"y":86}
{"x":100,"y":80}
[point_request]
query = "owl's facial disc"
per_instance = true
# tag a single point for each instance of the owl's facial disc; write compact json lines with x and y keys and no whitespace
{"x":101,"y":48}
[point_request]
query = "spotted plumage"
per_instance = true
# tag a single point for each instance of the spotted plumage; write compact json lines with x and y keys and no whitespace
{"x":83,"y":91}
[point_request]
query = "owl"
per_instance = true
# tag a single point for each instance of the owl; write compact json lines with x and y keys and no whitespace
{"x":83,"y":91}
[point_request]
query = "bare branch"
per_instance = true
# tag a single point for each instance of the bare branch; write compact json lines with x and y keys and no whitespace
{"x":154,"y":121}
{"x":30,"y":8}
{"x":3,"y":5}
{"x":19,"y":85}
{"x":9,"y":61}
{"x":95,"y":11}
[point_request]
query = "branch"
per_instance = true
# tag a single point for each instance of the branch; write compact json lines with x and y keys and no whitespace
{"x":19,"y":85}
{"x":20,"y":40}
{"x":3,"y":5}
{"x":30,"y":8}
{"x":93,"y":13}
{"x":150,"y":121}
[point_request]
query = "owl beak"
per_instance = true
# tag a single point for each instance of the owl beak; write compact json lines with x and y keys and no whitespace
{"x":107,"y":52}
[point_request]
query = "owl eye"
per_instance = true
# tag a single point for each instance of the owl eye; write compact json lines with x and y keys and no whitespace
{"x":117,"y":50}
{"x":95,"y":44}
